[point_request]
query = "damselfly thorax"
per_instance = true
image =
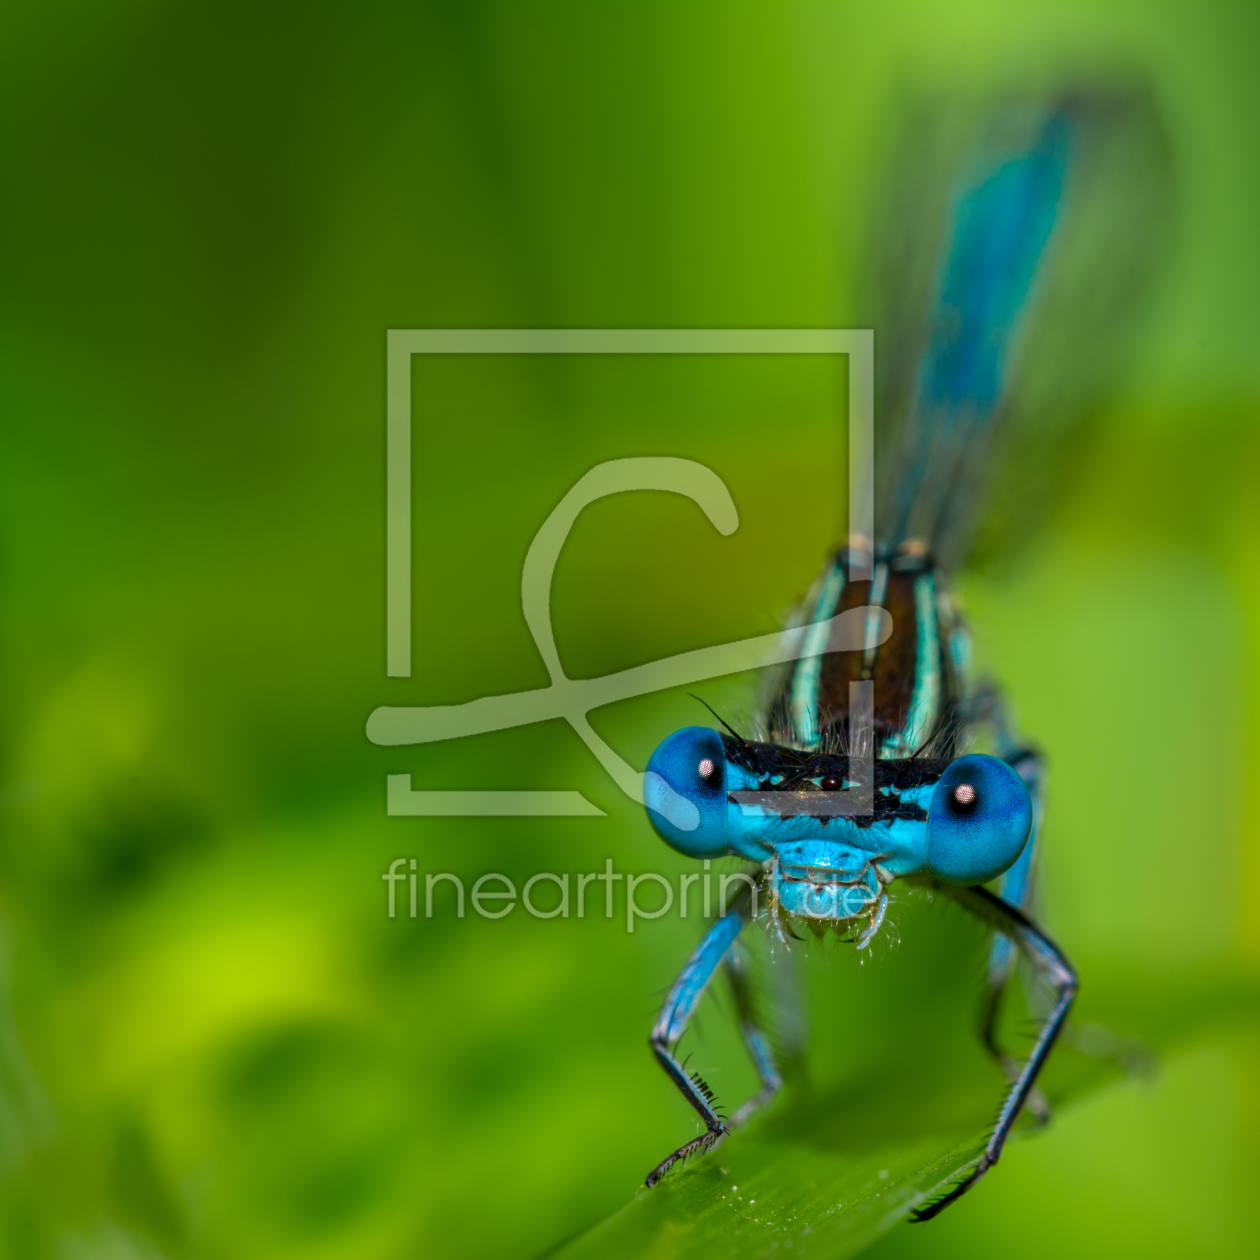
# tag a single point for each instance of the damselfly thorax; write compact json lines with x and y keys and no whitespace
{"x":919,"y":674}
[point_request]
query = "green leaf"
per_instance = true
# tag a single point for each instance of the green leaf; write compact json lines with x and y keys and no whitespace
{"x":826,"y":1173}
{"x":755,"y":1193}
{"x":829,"y":1167}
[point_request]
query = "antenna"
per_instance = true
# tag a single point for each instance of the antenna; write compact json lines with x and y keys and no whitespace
{"x":719,"y":717}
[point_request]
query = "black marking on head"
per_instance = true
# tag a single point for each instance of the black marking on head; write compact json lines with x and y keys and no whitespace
{"x":780,"y":768}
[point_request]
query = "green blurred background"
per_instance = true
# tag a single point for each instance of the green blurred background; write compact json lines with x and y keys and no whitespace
{"x":213,"y":1042}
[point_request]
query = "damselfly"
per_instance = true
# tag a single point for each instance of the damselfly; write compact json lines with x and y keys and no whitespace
{"x":862,"y":777}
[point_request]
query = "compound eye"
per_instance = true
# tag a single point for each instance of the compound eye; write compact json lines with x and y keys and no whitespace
{"x":979,"y":820}
{"x":684,"y":790}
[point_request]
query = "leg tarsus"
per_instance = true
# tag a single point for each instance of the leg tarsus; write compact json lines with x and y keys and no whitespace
{"x":956,"y":1192}
{"x":700,"y":1096}
{"x":706,"y":1141}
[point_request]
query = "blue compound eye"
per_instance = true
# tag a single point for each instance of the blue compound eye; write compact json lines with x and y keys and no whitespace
{"x":684,"y":790}
{"x":978,"y":822}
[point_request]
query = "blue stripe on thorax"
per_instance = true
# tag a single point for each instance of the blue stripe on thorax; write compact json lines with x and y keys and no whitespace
{"x":808,"y":674}
{"x":925,"y":699}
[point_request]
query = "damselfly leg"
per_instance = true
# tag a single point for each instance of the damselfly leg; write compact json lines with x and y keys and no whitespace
{"x":988,"y":707}
{"x":1054,"y":968}
{"x":680,"y":1005}
{"x":754,"y":1036}
{"x":719,"y":947}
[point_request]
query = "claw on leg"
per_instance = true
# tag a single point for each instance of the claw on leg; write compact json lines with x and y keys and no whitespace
{"x":937,"y":1206}
{"x":704,"y":1142}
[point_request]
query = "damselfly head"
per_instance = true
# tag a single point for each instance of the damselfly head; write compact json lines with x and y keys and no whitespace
{"x":684,"y":790}
{"x":978,"y":822}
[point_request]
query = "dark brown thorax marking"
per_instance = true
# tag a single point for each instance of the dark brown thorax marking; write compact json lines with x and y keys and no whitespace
{"x":894,"y":665}
{"x":912,"y":591}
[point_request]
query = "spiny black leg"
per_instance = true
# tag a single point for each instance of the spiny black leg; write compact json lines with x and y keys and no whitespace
{"x":679,"y":1006}
{"x":1017,"y":890}
{"x":1053,"y":967}
{"x":700,"y":1096}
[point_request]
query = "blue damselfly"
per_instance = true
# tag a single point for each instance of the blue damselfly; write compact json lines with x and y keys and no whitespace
{"x":1025,"y":252}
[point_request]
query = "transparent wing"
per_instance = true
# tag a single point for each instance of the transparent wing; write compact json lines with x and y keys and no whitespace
{"x":1017,"y":246}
